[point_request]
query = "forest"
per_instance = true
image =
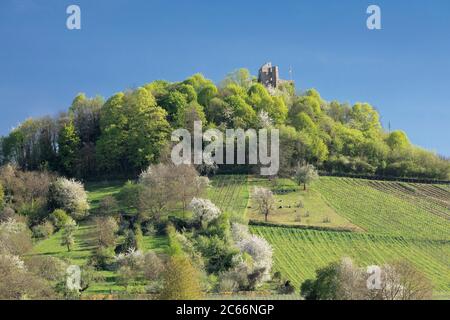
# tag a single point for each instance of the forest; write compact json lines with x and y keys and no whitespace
{"x":122,"y":135}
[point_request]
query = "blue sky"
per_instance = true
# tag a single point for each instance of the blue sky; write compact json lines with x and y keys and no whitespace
{"x":403,"y":69}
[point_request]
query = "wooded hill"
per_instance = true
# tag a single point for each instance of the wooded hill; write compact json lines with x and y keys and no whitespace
{"x":124,"y":134}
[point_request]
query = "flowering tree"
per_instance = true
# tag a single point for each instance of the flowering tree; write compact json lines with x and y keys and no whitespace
{"x":264,"y":200}
{"x":69,"y":195}
{"x":305,"y":175}
{"x":15,"y":237}
{"x":204,"y":210}
{"x":256,"y":247}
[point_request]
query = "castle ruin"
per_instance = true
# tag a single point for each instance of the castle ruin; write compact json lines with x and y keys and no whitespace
{"x":269,"y":76}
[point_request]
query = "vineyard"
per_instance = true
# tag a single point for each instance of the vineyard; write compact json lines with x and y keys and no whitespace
{"x":298,"y":253}
{"x":397,"y":221}
{"x":230,"y":193}
{"x":382,"y":210}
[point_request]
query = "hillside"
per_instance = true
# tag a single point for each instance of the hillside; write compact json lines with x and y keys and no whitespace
{"x":378,"y":226}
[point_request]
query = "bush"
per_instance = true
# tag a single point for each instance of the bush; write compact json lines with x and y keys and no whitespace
{"x":181,"y":281}
{"x":106,"y":228}
{"x":7,"y":213}
{"x":15,"y":237}
{"x":286,"y":288}
{"x":2,"y":196}
{"x":59,"y":218}
{"x":103,"y":258}
{"x":44,"y":230}
{"x":19,"y":283}
{"x":49,"y":268}
{"x":153,"y":266}
{"x":70,"y":196}
{"x":108,"y":206}
{"x":129,"y":194}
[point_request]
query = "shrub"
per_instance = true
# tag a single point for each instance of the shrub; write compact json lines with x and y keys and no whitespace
{"x":258,"y":249}
{"x":70,"y":196}
{"x":181,"y":281}
{"x":18,"y":283}
{"x":103,"y":258}
{"x":133,"y":259}
{"x":43,"y":230}
{"x":108,"y":206}
{"x":15,"y":237}
{"x":106,"y":229}
{"x":153,"y":266}
{"x":59,"y":218}
{"x":49,"y":268}
{"x":2,"y":196}
{"x":129,"y":194}
{"x":7,"y":213}
{"x":228,"y":285}
{"x":286,"y":288}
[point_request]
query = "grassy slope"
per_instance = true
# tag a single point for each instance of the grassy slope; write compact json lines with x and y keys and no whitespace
{"x":396,"y":227}
{"x":229,"y":192}
{"x":315,"y":211}
{"x":84,"y":245}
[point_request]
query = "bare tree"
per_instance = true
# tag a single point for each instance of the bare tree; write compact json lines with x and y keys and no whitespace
{"x":402,"y":281}
{"x":166,"y":185}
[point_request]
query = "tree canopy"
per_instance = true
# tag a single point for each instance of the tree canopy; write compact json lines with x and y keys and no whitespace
{"x":131,"y":130}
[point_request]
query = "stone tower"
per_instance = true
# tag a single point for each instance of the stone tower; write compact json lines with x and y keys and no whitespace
{"x":269,"y":76}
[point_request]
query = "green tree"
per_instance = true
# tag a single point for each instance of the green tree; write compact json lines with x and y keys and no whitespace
{"x":325,"y":286}
{"x":207,"y":94}
{"x":68,"y":235}
{"x":181,"y":281}
{"x":148,"y":129}
{"x":397,"y":140}
{"x":305,"y":175}
{"x":111,"y":146}
{"x":304,"y":122}
{"x":69,"y":145}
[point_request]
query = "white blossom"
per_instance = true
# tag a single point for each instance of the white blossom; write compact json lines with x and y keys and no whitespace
{"x":13,"y":261}
{"x":264,"y":119}
{"x":204,"y":210}
{"x":71,"y":196}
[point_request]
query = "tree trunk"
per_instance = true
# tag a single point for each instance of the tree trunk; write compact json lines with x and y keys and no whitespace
{"x":266,"y":217}
{"x":304,"y":187}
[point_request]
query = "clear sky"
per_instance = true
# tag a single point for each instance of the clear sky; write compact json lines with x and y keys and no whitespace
{"x":403,"y":69}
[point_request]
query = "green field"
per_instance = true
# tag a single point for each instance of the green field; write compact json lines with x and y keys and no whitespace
{"x":313,"y":211}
